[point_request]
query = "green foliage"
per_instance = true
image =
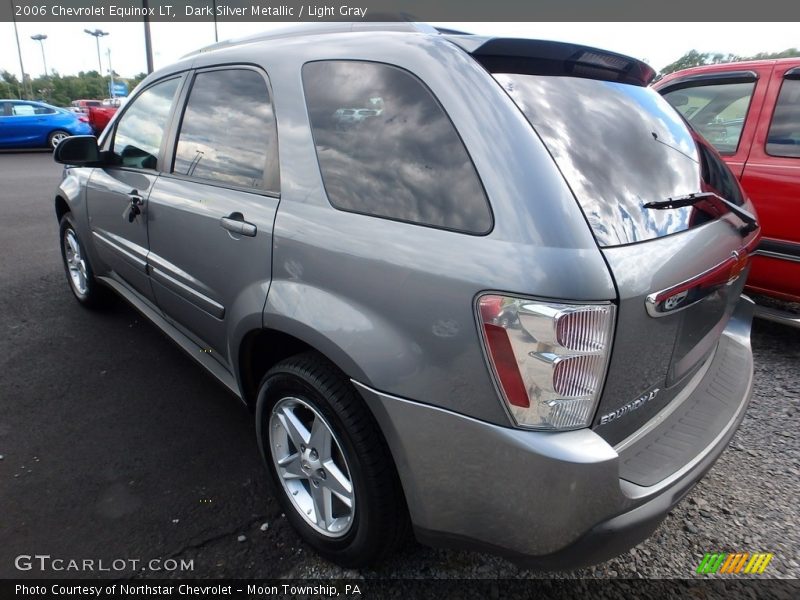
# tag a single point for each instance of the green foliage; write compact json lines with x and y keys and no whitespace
{"x":693,"y":58}
{"x":10,"y":86}
{"x":60,"y":90}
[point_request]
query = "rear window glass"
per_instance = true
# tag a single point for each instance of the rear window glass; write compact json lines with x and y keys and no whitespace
{"x":619,"y":146}
{"x":784,"y":132}
{"x":386,"y":148}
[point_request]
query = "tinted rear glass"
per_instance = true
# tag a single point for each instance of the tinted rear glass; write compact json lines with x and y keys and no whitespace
{"x":386,"y":148}
{"x":619,"y":146}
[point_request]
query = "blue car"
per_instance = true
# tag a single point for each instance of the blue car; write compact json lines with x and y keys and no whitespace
{"x":25,"y":124}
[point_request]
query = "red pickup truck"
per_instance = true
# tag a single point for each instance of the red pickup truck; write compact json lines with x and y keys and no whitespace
{"x":750,"y":111}
{"x":99,"y":116}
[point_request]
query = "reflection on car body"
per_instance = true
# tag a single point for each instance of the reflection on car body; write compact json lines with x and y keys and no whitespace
{"x":410,"y":285}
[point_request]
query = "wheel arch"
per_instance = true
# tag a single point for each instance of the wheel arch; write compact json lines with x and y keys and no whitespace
{"x":260,"y":349}
{"x":61,"y":207}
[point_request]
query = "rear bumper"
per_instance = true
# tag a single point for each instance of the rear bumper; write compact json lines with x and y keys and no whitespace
{"x":551,"y":500}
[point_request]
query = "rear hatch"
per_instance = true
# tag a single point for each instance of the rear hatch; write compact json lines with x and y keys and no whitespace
{"x":680,"y":264}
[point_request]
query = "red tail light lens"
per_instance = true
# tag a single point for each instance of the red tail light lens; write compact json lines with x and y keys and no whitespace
{"x":549,"y":359}
{"x":505,"y":365}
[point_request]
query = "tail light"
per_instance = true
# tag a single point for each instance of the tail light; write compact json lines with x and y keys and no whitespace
{"x":83,"y":119}
{"x":549,"y":359}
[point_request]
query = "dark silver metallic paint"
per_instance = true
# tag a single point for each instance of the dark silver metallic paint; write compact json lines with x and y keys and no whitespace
{"x":391,"y":304}
{"x":555,"y":486}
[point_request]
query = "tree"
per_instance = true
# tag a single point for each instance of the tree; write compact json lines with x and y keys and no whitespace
{"x":62,"y":89}
{"x":693,"y":58}
{"x":137,"y":80}
{"x":10,"y":86}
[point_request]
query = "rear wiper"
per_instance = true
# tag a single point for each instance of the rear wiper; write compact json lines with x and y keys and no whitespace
{"x":751,"y":223}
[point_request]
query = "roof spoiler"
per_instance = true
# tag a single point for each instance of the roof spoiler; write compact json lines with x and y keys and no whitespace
{"x":541,"y":57}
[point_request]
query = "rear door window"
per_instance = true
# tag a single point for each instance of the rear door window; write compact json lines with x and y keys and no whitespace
{"x":784,"y":131}
{"x":718,"y":112}
{"x":386,"y":148}
{"x":228,"y":133}
{"x":23,"y":110}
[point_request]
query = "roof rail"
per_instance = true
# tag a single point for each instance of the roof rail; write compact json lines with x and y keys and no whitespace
{"x":306,"y":29}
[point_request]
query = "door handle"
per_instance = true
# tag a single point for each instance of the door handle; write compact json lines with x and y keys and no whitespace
{"x":135,"y":208}
{"x":235,"y":223}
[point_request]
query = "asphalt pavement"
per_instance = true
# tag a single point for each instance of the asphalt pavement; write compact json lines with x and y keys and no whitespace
{"x":117,"y":446}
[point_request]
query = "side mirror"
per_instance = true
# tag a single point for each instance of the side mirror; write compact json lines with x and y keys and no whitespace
{"x":678,"y":99}
{"x":78,"y":150}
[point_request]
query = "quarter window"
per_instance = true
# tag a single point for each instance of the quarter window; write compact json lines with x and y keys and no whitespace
{"x":784,"y":132}
{"x":386,"y":148}
{"x":718,"y":112}
{"x":140,"y":130}
{"x":44,"y":110}
{"x":228,"y":133}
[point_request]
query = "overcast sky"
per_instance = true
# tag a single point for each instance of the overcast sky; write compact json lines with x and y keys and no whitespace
{"x":69,"y":50}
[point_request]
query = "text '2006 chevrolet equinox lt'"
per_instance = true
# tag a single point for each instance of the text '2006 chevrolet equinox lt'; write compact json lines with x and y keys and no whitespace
{"x":488,"y":289}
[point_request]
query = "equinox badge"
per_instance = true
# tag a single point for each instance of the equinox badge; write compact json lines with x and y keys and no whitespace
{"x":629,"y":407}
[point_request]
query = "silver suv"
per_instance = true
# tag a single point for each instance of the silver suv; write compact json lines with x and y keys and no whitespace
{"x":502,"y":308}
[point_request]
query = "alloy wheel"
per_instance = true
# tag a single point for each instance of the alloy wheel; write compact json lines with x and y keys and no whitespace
{"x":76,"y":263}
{"x":56,"y":138}
{"x":311,"y":466}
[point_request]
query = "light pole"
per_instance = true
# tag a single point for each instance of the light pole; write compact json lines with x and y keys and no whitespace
{"x":111,"y":75}
{"x":97,"y":33}
{"x":216,"y":35}
{"x":40,"y":37}
{"x":148,"y":44}
{"x":19,"y":51}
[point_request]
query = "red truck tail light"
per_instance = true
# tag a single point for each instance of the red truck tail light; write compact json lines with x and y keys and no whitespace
{"x":549,"y":359}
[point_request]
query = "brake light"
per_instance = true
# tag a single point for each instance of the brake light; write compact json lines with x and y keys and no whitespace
{"x":83,"y":119}
{"x":549,"y":359}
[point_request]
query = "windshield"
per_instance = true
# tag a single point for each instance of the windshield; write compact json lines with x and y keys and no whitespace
{"x":619,"y":146}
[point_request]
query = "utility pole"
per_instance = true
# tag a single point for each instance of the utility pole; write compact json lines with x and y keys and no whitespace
{"x":19,"y":52}
{"x":40,"y":37}
{"x":97,"y":33}
{"x":148,"y":44}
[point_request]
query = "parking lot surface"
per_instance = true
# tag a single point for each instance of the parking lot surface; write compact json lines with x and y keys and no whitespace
{"x":116,"y":445}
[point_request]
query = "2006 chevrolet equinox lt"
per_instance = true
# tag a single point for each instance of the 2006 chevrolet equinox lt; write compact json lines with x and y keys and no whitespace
{"x":484,"y":288}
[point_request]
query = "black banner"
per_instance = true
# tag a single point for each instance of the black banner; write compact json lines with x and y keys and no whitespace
{"x":484,"y":589}
{"x":408,"y":10}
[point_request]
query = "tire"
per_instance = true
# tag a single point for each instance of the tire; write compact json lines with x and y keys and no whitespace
{"x":80,"y":276}
{"x":54,"y":139}
{"x":314,"y":391}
